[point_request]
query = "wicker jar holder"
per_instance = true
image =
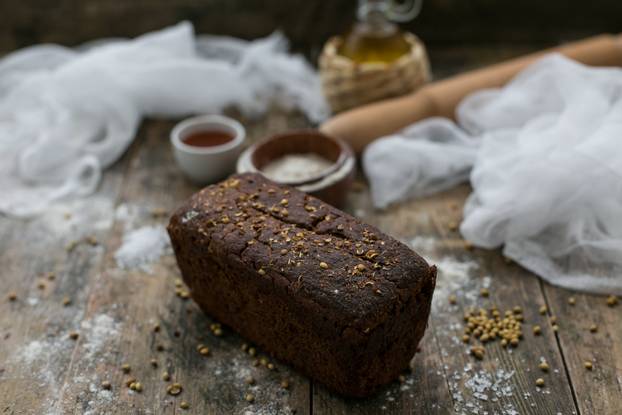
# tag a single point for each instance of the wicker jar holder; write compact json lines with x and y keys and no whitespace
{"x":346,"y":84}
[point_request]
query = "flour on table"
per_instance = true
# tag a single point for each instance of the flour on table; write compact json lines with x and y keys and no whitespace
{"x":128,"y":215}
{"x":97,"y":331}
{"x":141,"y":247}
{"x":423,"y":245}
{"x":32,"y":351}
{"x":472,"y":390}
{"x":454,"y":277}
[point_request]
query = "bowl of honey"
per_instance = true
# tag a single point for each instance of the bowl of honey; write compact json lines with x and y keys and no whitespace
{"x":206,"y":147}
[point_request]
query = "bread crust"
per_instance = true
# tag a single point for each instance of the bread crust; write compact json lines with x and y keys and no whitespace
{"x":342,"y":302}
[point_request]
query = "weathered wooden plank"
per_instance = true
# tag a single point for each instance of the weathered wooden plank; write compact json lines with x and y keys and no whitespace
{"x":599,"y":390}
{"x":137,"y":300}
{"x":115,"y":310}
{"x":35,"y":348}
{"x":467,"y":385}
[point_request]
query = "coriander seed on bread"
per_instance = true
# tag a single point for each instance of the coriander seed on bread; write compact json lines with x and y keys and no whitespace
{"x":335,"y":298}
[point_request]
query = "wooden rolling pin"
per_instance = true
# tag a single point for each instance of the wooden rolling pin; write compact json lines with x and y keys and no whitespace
{"x":362,"y":125}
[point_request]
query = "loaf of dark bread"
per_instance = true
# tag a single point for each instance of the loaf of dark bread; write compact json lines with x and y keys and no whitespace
{"x":313,"y":286}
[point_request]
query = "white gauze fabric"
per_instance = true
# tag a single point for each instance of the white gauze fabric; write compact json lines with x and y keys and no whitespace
{"x":546,"y":159}
{"x":65,"y":114}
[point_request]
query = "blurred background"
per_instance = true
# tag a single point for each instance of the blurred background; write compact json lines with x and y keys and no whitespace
{"x":445,"y":26}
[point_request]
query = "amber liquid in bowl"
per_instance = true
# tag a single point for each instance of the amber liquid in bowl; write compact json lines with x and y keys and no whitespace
{"x":208,"y":138}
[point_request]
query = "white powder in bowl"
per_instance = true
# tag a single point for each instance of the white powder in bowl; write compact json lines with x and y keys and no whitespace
{"x":296,"y":167}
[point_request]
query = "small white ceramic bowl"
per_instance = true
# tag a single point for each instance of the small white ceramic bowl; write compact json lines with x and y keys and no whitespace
{"x":205,"y":165}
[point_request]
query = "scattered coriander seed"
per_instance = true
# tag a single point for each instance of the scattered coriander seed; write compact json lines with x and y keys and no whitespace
{"x":51,"y":276}
{"x":261,"y":271}
{"x":270,"y":366}
{"x":540,"y":382}
{"x":66,"y":301}
{"x":217,"y":332}
{"x":588,"y":365}
{"x":484,"y":292}
{"x":158,"y":212}
{"x":612,"y":301}
{"x":41,"y":285}
{"x":129,"y":382}
{"x":71,"y":246}
{"x":249,"y":380}
{"x":478,"y":352}
{"x":244,"y":347}
{"x":542,"y":310}
{"x":91,"y":240}
{"x":263,"y":361}
{"x":174,"y":389}
{"x":166,"y":376}
{"x":184,"y":405}
{"x":504,"y":342}
{"x":252,"y":351}
{"x":285,"y":384}
{"x":12,"y":297}
{"x":543,"y":366}
{"x":572,"y":300}
{"x":553,"y":319}
{"x":126,"y":368}
{"x":138,"y":387}
{"x":154,"y":363}
{"x":593,"y":328}
{"x":323,"y":265}
{"x":452,"y":299}
{"x":106,"y":385}
{"x":514,"y":341}
{"x":537,"y":330}
{"x":204,"y":351}
{"x":249,"y":397}
{"x":555,"y":327}
{"x":74,"y":335}
{"x":466,"y":338}
{"x":160,"y":348}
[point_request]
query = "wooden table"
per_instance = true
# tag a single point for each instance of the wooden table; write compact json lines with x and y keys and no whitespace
{"x":114,"y":313}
